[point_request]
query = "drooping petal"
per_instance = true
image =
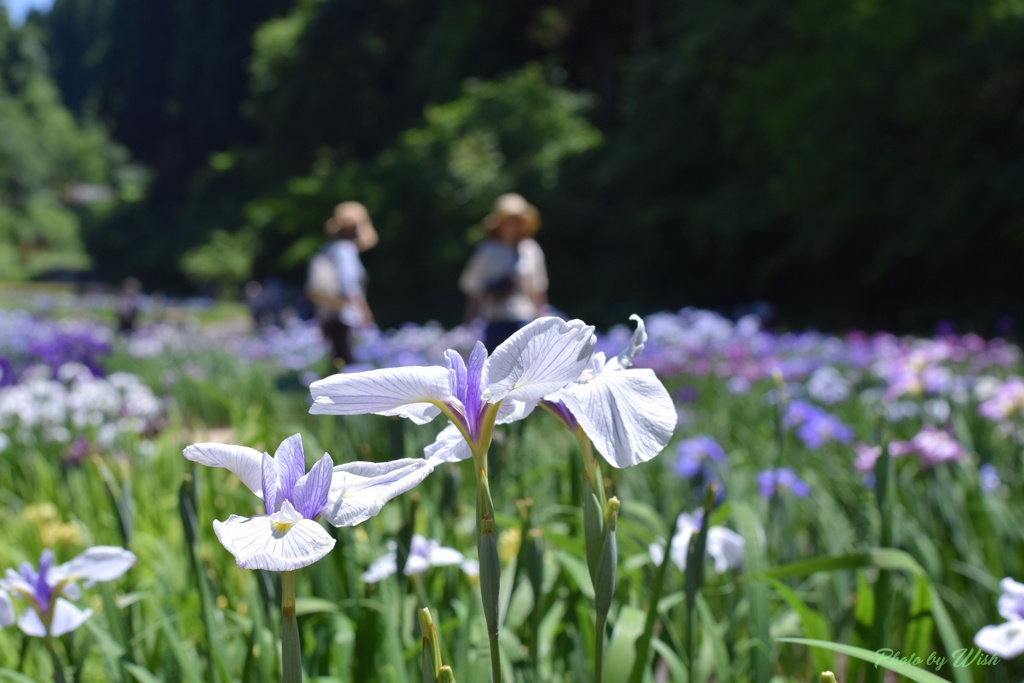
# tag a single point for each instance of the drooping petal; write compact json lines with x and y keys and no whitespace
{"x":407,"y":392}
{"x":261,"y":543}
{"x":99,"y":563}
{"x":30,"y":623}
{"x":246,"y":463}
{"x":539,"y":359}
{"x":449,"y":446}
{"x":312,"y":489}
{"x":360,"y":489}
{"x":271,"y":486}
{"x":6,"y":610}
{"x":67,"y":617}
{"x":628,"y":414}
{"x":1006,"y":641}
{"x":291,"y":465}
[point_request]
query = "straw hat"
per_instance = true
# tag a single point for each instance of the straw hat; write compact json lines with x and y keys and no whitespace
{"x":512,"y":204}
{"x":353,"y":215}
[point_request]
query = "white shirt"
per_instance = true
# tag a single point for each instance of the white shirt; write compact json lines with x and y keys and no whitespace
{"x":351,"y":278}
{"x":494,"y":261}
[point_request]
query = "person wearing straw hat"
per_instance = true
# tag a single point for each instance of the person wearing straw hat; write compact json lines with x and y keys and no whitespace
{"x":506,"y":280}
{"x":337,"y":279}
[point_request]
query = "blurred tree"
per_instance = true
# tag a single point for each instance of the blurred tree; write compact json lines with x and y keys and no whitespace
{"x":55,"y":174}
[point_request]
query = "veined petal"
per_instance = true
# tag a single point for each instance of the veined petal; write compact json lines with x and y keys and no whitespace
{"x":628,"y":414}
{"x":475,"y":373}
{"x":271,"y":483}
{"x":406,"y":392}
{"x":1006,"y":641}
{"x":513,"y":411}
{"x":260,"y":543}
{"x":291,"y":465}
{"x":246,"y":463}
{"x":449,"y":446}
{"x":6,"y":610}
{"x":312,"y":488}
{"x":360,"y":489}
{"x":99,"y":563}
{"x":539,"y":359}
{"x":66,"y":617}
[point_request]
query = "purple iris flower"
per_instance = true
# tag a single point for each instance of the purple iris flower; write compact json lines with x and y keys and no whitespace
{"x":821,"y":429}
{"x":49,"y":590}
{"x":800,"y":412}
{"x":773,"y":482}
{"x":694,"y":453}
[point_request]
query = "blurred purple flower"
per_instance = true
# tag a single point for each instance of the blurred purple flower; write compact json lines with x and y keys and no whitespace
{"x":822,"y":428}
{"x":989,"y":478}
{"x":693,"y":454}
{"x":934,"y":445}
{"x":772,"y":482}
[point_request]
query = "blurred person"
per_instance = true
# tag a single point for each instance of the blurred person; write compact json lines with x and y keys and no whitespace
{"x":127,"y":306}
{"x":506,"y":280}
{"x":336,"y":283}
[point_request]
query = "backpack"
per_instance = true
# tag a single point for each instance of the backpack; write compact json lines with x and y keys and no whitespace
{"x":322,"y":278}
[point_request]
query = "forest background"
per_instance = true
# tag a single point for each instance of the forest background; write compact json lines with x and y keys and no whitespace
{"x":855,"y":163}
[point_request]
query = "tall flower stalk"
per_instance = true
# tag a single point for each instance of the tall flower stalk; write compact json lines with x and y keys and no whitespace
{"x":475,"y":395}
{"x":628,"y":415}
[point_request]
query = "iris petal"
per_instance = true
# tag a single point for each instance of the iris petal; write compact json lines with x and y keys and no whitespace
{"x":259,"y":543}
{"x":449,"y":446}
{"x":312,"y":489}
{"x":99,"y":563}
{"x":246,"y":463}
{"x":291,"y":465}
{"x":406,"y":392}
{"x":360,"y":489}
{"x":627,"y":414}
{"x":67,"y":617}
{"x":539,"y":359}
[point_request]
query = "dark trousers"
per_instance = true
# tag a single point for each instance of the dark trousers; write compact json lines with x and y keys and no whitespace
{"x":338,"y":334}
{"x":498,"y":331}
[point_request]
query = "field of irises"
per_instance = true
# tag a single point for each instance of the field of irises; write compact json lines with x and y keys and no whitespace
{"x":681,"y":498}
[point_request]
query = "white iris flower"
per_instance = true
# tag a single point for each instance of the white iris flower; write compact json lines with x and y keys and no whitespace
{"x":288,"y":536}
{"x":535,"y":361}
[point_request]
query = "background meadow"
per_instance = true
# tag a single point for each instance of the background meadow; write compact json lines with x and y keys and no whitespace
{"x":93,"y":427}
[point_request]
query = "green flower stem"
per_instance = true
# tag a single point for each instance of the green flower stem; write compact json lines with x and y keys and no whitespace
{"x":604,"y":584}
{"x":591,"y":467}
{"x":58,"y":668}
{"x":490,"y":567}
{"x":291,"y":650}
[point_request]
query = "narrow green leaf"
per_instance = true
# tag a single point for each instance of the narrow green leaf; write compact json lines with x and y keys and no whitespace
{"x":903,"y":669}
{"x":622,"y":650}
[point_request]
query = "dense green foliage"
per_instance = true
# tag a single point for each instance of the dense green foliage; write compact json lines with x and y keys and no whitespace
{"x":49,"y":163}
{"x":854,"y":162}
